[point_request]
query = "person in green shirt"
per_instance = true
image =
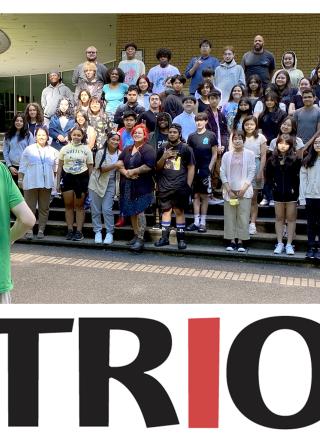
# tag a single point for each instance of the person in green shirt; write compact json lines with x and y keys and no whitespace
{"x":10,"y":200}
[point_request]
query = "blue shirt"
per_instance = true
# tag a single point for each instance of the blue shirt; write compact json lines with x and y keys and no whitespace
{"x":207,"y":63}
{"x":187,"y":122}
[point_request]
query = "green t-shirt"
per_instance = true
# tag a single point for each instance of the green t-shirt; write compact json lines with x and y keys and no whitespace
{"x":10,"y":196}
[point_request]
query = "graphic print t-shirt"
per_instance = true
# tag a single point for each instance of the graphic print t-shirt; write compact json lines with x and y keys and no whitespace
{"x":201,"y":145}
{"x":75,"y":158}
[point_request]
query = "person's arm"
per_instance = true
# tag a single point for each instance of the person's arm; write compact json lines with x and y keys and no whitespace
{"x":214,"y":154}
{"x":303,"y":185}
{"x":292,"y":109}
{"x":92,"y":135}
{"x":118,"y":115}
{"x":250,"y":175}
{"x":190,"y":176}
{"x":90,"y":168}
{"x":166,"y":155}
{"x":59,"y":171}
{"x":263,"y":156}
{"x":6,"y":150}
{"x":24,"y":222}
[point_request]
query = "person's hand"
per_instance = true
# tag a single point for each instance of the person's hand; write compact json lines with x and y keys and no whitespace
{"x":20,"y":183}
{"x":198,"y":63}
{"x":61,"y":138}
{"x":58,"y":188}
{"x":231,"y":194}
{"x":241,"y":193}
{"x":168,"y":153}
{"x":259,"y":176}
{"x":220,"y":149}
{"x":132,"y":174}
{"x":13,"y":170}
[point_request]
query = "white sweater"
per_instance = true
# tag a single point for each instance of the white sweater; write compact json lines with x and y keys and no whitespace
{"x":309,"y":182}
{"x":38,"y":164}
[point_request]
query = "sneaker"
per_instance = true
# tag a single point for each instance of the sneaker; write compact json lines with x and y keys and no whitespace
{"x":231,"y":247}
{"x":279,"y":248}
{"x":69,"y":235}
{"x":78,"y":236}
{"x":289,"y":249}
{"x":202,"y":229}
{"x":271,"y":203}
{"x":108,"y":239}
{"x":241,"y":248}
{"x":310,"y":254}
{"x":98,"y":237}
{"x":133,"y":240}
{"x":252,"y":228}
{"x":215,"y":201}
{"x":192,"y":227}
{"x":121,"y":222}
{"x":40,"y":234}
{"x":264,"y":202}
{"x":29,"y":235}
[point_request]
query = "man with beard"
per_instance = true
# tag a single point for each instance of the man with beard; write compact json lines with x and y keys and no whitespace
{"x":91,"y":56}
{"x":175,"y":172}
{"x":149,"y":117}
{"x":259,"y":61}
{"x":160,"y":134}
{"x":52,"y":94}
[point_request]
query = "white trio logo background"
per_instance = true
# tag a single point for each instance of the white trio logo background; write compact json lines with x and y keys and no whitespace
{"x":284,"y":373}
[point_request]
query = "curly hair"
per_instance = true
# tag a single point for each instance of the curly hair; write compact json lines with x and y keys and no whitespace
{"x":120,"y":73}
{"x":39,"y":117}
{"x":70,"y":110}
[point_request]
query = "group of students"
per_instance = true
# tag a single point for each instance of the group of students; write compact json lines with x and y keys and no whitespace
{"x":169,"y":148}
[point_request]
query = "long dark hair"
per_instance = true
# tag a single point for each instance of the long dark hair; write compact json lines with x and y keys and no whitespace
{"x":24,"y":132}
{"x":240,"y":112}
{"x":311,"y":154}
{"x":315,"y":78}
{"x":105,"y":147}
{"x":294,"y":129}
{"x":289,"y":157}
{"x":259,"y":91}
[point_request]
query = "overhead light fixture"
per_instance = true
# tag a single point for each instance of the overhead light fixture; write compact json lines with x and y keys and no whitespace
{"x":5,"y":42}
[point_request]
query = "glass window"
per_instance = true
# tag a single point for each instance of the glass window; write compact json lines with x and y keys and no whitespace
{"x":67,"y":79}
{"x":6,"y":102}
{"x":38,"y":83}
{"x":22,"y":92}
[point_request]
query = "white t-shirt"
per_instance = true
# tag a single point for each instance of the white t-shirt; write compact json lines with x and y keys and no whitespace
{"x":132,"y":70}
{"x":299,"y":144}
{"x":254,"y":144}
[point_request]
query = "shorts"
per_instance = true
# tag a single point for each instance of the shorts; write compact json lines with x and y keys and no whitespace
{"x":175,"y":199}
{"x":202,"y":185}
{"x":77,"y":183}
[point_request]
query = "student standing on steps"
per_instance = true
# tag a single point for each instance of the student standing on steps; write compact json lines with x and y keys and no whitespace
{"x":175,"y":172}
{"x":204,"y":146}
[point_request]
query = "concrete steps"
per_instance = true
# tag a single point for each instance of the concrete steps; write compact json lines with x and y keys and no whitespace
{"x":208,"y":245}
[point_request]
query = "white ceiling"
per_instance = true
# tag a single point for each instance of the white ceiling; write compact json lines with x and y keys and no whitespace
{"x":40,"y":42}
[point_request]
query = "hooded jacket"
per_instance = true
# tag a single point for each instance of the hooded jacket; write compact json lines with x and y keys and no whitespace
{"x":154,"y":136}
{"x":50,"y":97}
{"x":294,"y":73}
{"x":226,"y":76}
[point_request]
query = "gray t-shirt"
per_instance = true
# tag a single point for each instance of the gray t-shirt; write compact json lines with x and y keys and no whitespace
{"x":307,"y":122}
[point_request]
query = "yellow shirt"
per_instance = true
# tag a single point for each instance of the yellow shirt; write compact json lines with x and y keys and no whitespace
{"x":76,"y":158}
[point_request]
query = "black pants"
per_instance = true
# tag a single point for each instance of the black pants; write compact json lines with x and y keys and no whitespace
{"x":313,"y":221}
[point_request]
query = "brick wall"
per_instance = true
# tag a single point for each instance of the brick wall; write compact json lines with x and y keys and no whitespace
{"x":182,"y":32}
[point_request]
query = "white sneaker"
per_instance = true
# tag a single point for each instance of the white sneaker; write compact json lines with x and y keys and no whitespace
{"x":108,"y":239}
{"x":271,"y":203}
{"x":98,"y":237}
{"x":252,"y":228}
{"x":264,"y":202}
{"x":289,"y":249}
{"x":279,"y":248}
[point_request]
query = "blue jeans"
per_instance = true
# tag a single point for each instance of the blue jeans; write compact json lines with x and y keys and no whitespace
{"x":103,"y":206}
